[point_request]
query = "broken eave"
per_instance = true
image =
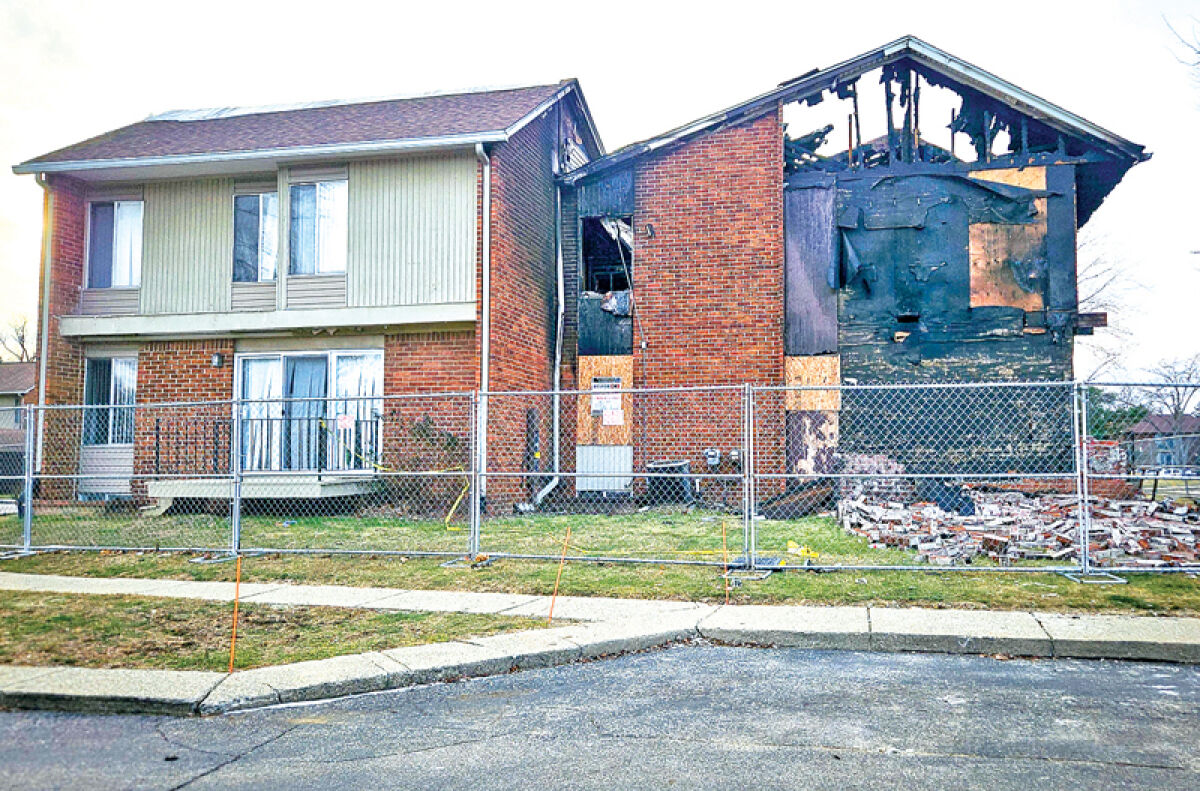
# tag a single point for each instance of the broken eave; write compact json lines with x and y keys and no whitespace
{"x":1106,"y":155}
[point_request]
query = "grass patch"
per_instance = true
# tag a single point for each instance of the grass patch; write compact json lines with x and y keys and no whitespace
{"x":182,"y":634}
{"x":1167,"y":594}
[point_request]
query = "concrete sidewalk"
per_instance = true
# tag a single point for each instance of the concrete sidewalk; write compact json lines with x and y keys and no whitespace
{"x":602,"y":627}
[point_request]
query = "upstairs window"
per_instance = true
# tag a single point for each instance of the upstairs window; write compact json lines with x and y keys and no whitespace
{"x":110,"y":387}
{"x":115,"y":244}
{"x":318,"y":236}
{"x":255,"y":237}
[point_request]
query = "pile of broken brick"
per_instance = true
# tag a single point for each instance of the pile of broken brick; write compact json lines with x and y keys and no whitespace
{"x":1012,"y":526}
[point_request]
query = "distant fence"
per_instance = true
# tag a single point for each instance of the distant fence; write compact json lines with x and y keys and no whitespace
{"x":1043,"y":476}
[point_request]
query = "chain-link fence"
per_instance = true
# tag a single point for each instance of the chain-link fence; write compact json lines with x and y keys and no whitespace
{"x":1020,"y":476}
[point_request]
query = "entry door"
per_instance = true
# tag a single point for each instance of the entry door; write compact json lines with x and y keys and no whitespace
{"x":304,"y":390}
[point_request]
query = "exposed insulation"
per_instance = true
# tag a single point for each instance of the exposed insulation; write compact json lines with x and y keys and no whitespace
{"x":590,"y":428}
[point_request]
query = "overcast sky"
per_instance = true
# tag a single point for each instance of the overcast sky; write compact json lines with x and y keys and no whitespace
{"x":75,"y":69}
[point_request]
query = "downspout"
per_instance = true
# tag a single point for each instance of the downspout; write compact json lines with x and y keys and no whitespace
{"x":558,"y":340}
{"x":485,"y":316}
{"x":44,"y":309}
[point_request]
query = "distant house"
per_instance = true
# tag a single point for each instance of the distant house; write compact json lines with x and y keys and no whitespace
{"x":1166,"y":441}
{"x":17,"y":381}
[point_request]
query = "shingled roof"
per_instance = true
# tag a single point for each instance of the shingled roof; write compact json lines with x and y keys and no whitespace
{"x":17,"y":378}
{"x":473,"y":116}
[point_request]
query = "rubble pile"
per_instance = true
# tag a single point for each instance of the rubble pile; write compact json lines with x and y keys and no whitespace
{"x":1010,"y":526}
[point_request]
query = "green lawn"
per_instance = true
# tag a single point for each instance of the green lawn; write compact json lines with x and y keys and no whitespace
{"x":1175,"y":594}
{"x":665,"y":532}
{"x":183,"y":634}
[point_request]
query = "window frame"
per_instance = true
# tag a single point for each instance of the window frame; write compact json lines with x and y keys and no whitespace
{"x":259,"y":194}
{"x":316,"y":240}
{"x":87,"y":242}
{"x":331,"y":356}
{"x":112,"y":410}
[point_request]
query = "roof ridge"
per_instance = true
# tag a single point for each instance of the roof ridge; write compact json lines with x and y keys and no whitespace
{"x":214,"y":113}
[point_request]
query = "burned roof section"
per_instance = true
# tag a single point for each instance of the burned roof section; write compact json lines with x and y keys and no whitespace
{"x":1001,"y":124}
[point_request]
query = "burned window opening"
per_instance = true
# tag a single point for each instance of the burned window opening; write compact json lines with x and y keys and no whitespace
{"x":606,"y":301}
{"x":607,"y":254}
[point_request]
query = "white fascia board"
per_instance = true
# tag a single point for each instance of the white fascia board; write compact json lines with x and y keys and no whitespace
{"x":258,"y":322}
{"x":293,"y":153}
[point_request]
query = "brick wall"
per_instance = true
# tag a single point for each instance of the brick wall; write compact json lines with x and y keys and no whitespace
{"x":183,"y":440}
{"x":708,"y":285}
{"x":523,"y":305}
{"x":64,"y":358}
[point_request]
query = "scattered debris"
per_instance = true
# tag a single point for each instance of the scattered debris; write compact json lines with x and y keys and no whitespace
{"x":1009,"y":526}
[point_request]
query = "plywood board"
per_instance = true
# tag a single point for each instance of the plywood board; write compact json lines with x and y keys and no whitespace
{"x":993,"y":247}
{"x":590,"y":427}
{"x":812,"y":370}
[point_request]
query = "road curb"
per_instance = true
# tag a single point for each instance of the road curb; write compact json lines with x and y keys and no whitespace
{"x":634,"y":628}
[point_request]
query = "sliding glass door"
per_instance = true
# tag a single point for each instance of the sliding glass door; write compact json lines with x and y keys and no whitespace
{"x":311,"y":411}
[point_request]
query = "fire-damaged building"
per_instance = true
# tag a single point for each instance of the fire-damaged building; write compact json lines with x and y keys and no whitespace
{"x":901,"y":217}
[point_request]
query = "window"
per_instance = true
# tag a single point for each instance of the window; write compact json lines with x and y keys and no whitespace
{"x":115,"y":244}
{"x":311,"y":411}
{"x":607,"y":254}
{"x":111,"y":386}
{"x":255,"y":236}
{"x":318,"y":228}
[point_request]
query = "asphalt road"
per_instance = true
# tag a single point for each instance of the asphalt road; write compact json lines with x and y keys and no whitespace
{"x":690,"y":717}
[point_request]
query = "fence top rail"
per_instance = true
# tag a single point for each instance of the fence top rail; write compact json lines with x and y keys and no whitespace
{"x":232,"y":403}
{"x":631,"y":390}
{"x":913,"y":386}
{"x":1090,"y":383}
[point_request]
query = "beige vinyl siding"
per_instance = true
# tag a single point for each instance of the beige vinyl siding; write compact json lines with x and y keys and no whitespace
{"x":187,"y":248}
{"x":412,"y":231}
{"x":316,"y":291}
{"x":108,"y":301}
{"x":253,"y":296}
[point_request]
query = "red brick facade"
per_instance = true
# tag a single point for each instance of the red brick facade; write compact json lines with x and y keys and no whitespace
{"x":709,"y":282}
{"x":708,"y":288}
{"x":64,"y":359}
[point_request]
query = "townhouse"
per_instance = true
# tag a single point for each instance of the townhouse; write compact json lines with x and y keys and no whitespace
{"x":332,"y":250}
{"x":903,"y":216}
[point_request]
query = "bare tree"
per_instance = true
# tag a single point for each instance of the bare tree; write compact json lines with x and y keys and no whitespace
{"x":16,"y":340}
{"x":1104,"y":286}
{"x":1173,"y":404}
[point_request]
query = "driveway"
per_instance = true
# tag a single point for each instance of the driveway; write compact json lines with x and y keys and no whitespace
{"x":700,"y":717}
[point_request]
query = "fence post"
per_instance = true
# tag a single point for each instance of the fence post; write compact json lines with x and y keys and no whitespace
{"x":748,"y":496}
{"x":27,"y":484}
{"x":473,"y":528}
{"x":235,"y":467}
{"x":1084,"y":485}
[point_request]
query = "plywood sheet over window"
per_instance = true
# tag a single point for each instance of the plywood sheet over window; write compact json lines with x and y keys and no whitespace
{"x":605,"y":424}
{"x":813,"y":370}
{"x":1009,"y":262}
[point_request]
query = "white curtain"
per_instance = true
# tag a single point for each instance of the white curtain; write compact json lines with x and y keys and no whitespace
{"x":332,"y":237}
{"x":124,"y":392}
{"x":358,"y":385}
{"x":268,"y":235}
{"x":262,"y":416}
{"x":127,"y":245}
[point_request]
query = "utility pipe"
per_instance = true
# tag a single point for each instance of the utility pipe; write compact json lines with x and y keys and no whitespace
{"x":44,"y":329}
{"x":486,"y":314}
{"x":560,"y":295}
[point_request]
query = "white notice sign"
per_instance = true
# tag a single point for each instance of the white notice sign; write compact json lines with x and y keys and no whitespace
{"x":613,"y":417}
